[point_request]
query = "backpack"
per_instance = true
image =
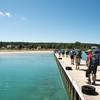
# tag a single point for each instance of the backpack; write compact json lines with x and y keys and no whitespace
{"x":80,"y":54}
{"x":93,"y":60}
{"x":97,"y":59}
{"x":73,"y":52}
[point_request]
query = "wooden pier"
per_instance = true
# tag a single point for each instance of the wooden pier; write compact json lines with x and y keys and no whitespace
{"x":75,"y":79}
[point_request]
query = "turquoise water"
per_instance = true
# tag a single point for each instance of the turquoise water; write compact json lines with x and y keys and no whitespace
{"x":30,"y":76}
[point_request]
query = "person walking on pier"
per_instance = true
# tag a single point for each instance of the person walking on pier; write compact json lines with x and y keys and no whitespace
{"x":67,"y":52}
{"x":59,"y":52}
{"x":80,"y":53}
{"x":72,"y":57}
{"x":63,"y":52}
{"x":77,"y":59}
{"x":88,"y":64}
{"x":92,"y":67}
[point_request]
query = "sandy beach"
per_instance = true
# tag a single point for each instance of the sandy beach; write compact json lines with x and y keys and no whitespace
{"x":25,"y":51}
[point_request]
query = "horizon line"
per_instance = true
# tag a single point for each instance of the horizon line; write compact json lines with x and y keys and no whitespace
{"x":50,"y":42}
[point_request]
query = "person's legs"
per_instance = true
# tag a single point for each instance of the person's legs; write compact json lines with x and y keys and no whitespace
{"x":94,"y":74}
{"x":94,"y":77}
{"x":63,"y":54}
{"x":59,"y":54}
{"x":73,"y":61}
{"x":79,"y":61}
{"x":76,"y":65}
{"x":89,"y":81}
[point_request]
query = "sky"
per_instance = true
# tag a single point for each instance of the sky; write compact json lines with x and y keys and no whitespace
{"x":50,"y":21}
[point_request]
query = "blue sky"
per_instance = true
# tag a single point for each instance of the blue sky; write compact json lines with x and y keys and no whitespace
{"x":50,"y":20}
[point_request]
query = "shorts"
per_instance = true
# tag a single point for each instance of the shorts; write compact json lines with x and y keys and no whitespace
{"x":77,"y":60}
{"x":72,"y":57}
{"x":63,"y":53}
{"x":92,"y":69}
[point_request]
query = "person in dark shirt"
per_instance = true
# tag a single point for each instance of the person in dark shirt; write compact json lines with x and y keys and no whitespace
{"x":77,"y":60}
{"x":93,"y":67}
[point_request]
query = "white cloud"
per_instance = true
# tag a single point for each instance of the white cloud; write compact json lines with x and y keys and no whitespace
{"x":1,"y":13}
{"x":5,"y":14}
{"x":8,"y":14}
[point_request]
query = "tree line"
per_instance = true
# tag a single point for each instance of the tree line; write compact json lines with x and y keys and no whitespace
{"x":30,"y":45}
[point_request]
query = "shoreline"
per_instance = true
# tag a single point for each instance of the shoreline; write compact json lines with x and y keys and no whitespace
{"x":24,"y":51}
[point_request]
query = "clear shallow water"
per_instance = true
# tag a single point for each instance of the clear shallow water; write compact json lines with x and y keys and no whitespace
{"x":30,"y":77}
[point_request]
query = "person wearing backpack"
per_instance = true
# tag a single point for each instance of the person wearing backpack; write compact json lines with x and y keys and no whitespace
{"x":92,"y":68}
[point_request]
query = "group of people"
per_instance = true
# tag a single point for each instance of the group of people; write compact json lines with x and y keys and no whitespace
{"x":63,"y":52}
{"x":91,"y":62}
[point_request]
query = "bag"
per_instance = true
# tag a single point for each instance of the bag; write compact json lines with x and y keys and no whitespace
{"x":97,"y":59}
{"x":93,"y":60}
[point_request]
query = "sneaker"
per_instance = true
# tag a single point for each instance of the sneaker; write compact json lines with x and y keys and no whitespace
{"x":89,"y":81}
{"x":93,"y":83}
